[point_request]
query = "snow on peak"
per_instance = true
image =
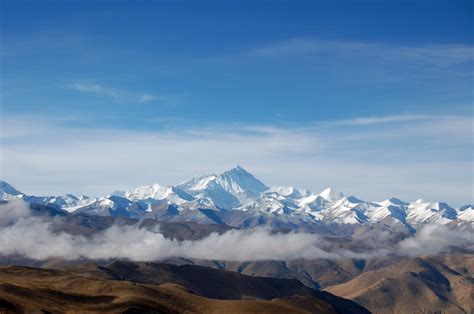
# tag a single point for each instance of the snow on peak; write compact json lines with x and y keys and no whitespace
{"x":289,"y":191}
{"x":393,"y":201}
{"x":418,"y":201}
{"x":423,"y":212}
{"x":147,"y":191}
{"x":331,"y":195}
{"x":238,"y":168}
{"x":231,"y":189}
{"x":198,"y":183}
{"x":466,"y":213}
{"x":235,"y":181}
{"x":8,"y":192}
{"x":466,"y":207}
{"x":157,"y":192}
{"x":239,"y":180}
{"x":312,"y":203}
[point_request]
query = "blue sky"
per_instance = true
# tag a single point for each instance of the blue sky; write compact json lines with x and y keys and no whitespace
{"x":372,"y":97}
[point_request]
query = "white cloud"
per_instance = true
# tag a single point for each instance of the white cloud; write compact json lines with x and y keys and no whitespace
{"x":382,"y":119}
{"x":440,"y":55}
{"x":12,"y":211}
{"x":119,"y":94}
{"x":433,"y":239}
{"x":428,"y":241}
{"x":147,"y":98}
{"x":87,"y":88}
{"x":97,"y":89}
{"x":32,"y":237}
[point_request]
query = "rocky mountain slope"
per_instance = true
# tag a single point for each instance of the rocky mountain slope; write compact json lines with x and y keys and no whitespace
{"x":126,"y":288}
{"x":422,"y":285}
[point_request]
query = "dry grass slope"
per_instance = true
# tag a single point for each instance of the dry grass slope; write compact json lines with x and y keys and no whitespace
{"x":31,"y":290}
{"x":421,"y":285}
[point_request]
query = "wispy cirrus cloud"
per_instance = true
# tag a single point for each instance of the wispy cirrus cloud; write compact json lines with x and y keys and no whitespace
{"x":119,"y":94}
{"x":442,"y":55}
{"x":88,"y":88}
{"x":383,"y":119}
{"x":148,"y":98}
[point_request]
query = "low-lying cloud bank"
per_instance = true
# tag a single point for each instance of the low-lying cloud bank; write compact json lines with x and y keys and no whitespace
{"x":32,"y":237}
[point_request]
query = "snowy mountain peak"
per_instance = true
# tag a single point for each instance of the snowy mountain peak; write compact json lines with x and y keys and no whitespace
{"x":147,"y":191}
{"x":239,"y":180}
{"x":289,"y":191}
{"x":466,"y":213}
{"x":231,"y":189}
{"x":7,"y":191}
{"x":157,"y":192}
{"x":466,"y":207}
{"x":422,"y":212}
{"x":419,"y":201}
{"x":198,"y":183}
{"x":397,"y":201}
{"x":239,"y":169}
{"x":331,"y":194}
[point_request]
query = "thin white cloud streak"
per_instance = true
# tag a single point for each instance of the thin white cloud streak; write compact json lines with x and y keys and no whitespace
{"x":95,"y":89}
{"x":427,"y":158}
{"x":114,"y":93}
{"x":439,"y":55}
{"x":148,"y":98}
{"x":32,"y":237}
{"x":382,"y":119}
{"x":88,"y":88}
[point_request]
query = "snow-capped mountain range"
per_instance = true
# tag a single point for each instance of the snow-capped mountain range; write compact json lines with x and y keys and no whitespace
{"x":235,"y":197}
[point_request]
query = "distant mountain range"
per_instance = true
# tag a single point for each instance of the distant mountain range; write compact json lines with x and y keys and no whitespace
{"x":378,"y":254}
{"x":238,"y":199}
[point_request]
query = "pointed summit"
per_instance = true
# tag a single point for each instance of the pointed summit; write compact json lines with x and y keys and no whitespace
{"x":331,"y":194}
{"x":397,"y":201}
{"x":393,"y":201}
{"x":230,"y":189}
{"x":238,"y":169}
{"x":7,"y":191}
{"x":240,"y":180}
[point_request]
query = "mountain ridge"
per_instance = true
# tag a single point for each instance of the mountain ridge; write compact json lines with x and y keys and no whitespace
{"x":244,"y":200}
